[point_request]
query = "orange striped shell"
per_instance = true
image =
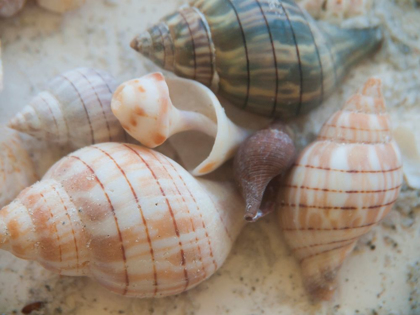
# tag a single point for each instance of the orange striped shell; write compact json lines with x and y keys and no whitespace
{"x":340,"y":187}
{"x":17,"y":170}
{"x":128,"y":217}
{"x":75,"y":110}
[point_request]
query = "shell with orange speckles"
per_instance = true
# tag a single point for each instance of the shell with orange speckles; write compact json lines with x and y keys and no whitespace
{"x":75,"y":110}
{"x":16,"y":167}
{"x":126,"y":216}
{"x":340,"y":187}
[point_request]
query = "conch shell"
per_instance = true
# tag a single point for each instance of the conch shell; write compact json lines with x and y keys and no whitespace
{"x":340,"y":187}
{"x":9,"y":8}
{"x":126,"y":216}
{"x":267,"y":57}
{"x":145,"y":108}
{"x":74,"y":110}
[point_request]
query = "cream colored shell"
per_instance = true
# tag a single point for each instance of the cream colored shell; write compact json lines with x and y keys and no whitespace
{"x":74,"y":110}
{"x":129,"y":217}
{"x":16,"y":168}
{"x":340,"y":187}
{"x":145,"y":108}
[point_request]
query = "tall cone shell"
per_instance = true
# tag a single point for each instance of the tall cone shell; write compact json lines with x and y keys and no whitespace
{"x":268,"y":57}
{"x":129,"y":217}
{"x":340,"y":187}
{"x":75,"y":110}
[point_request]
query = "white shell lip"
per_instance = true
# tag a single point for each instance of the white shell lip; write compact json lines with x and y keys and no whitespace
{"x":153,"y":108}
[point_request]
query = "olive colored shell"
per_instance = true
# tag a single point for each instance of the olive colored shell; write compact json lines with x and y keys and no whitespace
{"x":268,"y":57}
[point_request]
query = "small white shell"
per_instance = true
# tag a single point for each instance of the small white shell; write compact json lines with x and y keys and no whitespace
{"x":60,"y":6}
{"x":9,"y":8}
{"x":145,"y":108}
{"x":410,"y":151}
{"x":74,"y":110}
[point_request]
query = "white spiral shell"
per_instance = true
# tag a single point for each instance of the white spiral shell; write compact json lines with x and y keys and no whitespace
{"x":340,"y":187}
{"x":75,"y":110}
{"x":128,"y":217}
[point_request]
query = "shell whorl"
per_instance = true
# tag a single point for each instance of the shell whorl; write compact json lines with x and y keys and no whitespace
{"x":75,"y":110}
{"x":126,"y":216}
{"x":340,"y":187}
{"x":268,"y":57}
{"x":9,"y":8}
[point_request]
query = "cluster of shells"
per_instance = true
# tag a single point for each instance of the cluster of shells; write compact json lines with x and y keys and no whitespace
{"x":142,"y":225}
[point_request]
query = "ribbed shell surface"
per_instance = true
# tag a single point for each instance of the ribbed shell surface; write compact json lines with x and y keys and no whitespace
{"x":75,"y":110}
{"x":16,"y":168}
{"x":340,"y":187}
{"x":268,"y":57}
{"x":128,"y":217}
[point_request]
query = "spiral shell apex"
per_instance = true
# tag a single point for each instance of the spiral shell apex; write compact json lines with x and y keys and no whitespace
{"x":268,"y":57}
{"x":340,"y":187}
{"x":75,"y":110}
{"x":128,"y":217}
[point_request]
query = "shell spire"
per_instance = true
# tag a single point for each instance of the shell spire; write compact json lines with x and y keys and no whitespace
{"x":74,"y":110}
{"x":267,"y":57}
{"x":126,"y":216}
{"x":340,"y":187}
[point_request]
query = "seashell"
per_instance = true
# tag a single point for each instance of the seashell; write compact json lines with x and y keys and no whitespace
{"x":16,"y":168}
{"x":336,"y":8}
{"x":9,"y":8}
{"x":263,"y":156}
{"x":410,"y":152}
{"x":74,"y":110}
{"x":126,"y":216}
{"x":60,"y":6}
{"x":268,"y":57}
{"x":145,"y":108}
{"x":340,"y":187}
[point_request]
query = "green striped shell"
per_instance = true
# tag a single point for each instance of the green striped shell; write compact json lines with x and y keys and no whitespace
{"x":266,"y":56}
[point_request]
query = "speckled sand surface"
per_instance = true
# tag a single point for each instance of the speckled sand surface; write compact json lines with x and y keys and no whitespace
{"x":260,"y":276}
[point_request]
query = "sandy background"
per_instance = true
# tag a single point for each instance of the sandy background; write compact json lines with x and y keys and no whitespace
{"x":260,"y":276}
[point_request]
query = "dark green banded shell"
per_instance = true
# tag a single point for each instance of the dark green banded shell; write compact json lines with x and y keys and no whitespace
{"x":268,"y":56}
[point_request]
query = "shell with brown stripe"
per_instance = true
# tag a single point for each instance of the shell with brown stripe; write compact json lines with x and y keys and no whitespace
{"x":340,"y":187}
{"x":74,"y":110}
{"x":127,"y":216}
{"x":268,"y":57}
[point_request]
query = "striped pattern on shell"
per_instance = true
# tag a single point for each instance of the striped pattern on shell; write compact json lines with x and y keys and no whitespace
{"x":75,"y":110}
{"x":16,"y":168}
{"x":268,"y":57}
{"x":340,"y":187}
{"x":128,"y":217}
{"x":9,"y":8}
